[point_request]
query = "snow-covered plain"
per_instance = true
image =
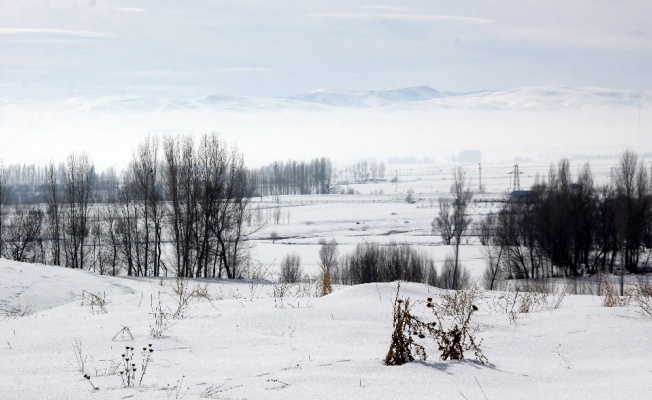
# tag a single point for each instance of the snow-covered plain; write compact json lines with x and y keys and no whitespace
{"x":379,"y":213}
{"x":245,"y":340}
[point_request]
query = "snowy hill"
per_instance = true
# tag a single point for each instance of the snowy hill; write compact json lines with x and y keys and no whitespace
{"x":373,"y":98}
{"x":421,"y":97}
{"x":247,"y":341}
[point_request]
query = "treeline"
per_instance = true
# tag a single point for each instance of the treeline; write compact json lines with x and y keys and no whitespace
{"x":193,"y":197}
{"x":566,"y":226}
{"x":295,"y":177}
{"x":361,"y":172}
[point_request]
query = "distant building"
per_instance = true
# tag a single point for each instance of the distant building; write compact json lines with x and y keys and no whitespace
{"x":520,"y":196}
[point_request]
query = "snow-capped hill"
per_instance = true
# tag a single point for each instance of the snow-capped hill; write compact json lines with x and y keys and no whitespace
{"x":540,"y":98}
{"x":555,"y":96}
{"x":373,"y":98}
{"x":217,"y":99}
{"x":544,"y":98}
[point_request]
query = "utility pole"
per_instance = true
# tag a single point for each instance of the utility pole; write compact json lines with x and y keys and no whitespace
{"x":516,"y":179}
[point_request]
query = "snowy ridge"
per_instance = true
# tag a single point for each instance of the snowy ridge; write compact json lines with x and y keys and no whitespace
{"x":373,"y":98}
{"x":526,"y":98}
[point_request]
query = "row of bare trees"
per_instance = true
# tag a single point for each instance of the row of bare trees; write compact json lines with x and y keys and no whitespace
{"x":361,"y":172}
{"x":570,"y":227}
{"x":295,"y":177}
{"x":181,"y":208}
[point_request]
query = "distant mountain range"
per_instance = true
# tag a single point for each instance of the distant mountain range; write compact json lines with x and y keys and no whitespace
{"x":373,"y":98}
{"x":533,"y":98}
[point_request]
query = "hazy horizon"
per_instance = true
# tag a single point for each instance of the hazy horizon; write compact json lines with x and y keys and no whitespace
{"x":98,"y":76}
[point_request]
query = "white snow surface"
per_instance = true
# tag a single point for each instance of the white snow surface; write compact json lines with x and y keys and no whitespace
{"x":245,"y":343}
{"x":248,"y":343}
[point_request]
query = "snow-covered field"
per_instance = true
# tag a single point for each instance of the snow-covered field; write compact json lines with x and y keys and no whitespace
{"x":247,"y":342}
{"x":259,"y":340}
{"x":379,"y":212}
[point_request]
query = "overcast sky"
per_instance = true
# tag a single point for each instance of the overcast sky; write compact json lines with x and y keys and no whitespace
{"x":61,"y":48}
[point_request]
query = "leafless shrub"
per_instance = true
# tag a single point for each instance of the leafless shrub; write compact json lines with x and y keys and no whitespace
{"x":96,"y":302}
{"x":183,"y":294}
{"x":79,"y":355}
{"x":453,"y":338}
{"x":458,"y":338}
{"x":213,"y":392}
{"x":161,"y":320}
{"x":291,"y":268}
{"x":201,"y":292}
{"x":280,"y":292}
{"x":459,"y":304}
{"x":403,"y":348}
{"x":306,"y":287}
{"x":520,"y":302}
{"x":373,"y":262}
{"x":410,"y":197}
{"x":611,"y":298}
{"x":642,"y":294}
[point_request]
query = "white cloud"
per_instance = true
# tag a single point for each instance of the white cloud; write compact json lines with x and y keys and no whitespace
{"x":187,"y":73}
{"x":574,"y":38}
{"x":405,"y":17}
{"x":387,"y":8}
{"x":130,"y":9}
{"x":245,"y":69}
{"x":54,"y":32}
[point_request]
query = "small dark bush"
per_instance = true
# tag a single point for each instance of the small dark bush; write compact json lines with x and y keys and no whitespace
{"x":291,"y":268}
{"x":372,"y":262}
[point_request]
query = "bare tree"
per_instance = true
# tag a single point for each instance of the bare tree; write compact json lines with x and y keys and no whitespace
{"x":493,"y":271}
{"x":78,"y":188}
{"x":149,"y":199}
{"x":231,"y":229}
{"x":4,"y":193}
{"x":291,"y":268}
{"x":632,"y":210}
{"x":453,"y":276}
{"x":443,"y":224}
{"x":54,"y":211}
{"x":23,"y":235}
{"x":181,"y":183}
{"x":410,"y":197}
{"x":328,"y":254}
{"x":452,"y":222}
{"x":111,"y":221}
{"x":210,"y":191}
{"x":484,"y":228}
